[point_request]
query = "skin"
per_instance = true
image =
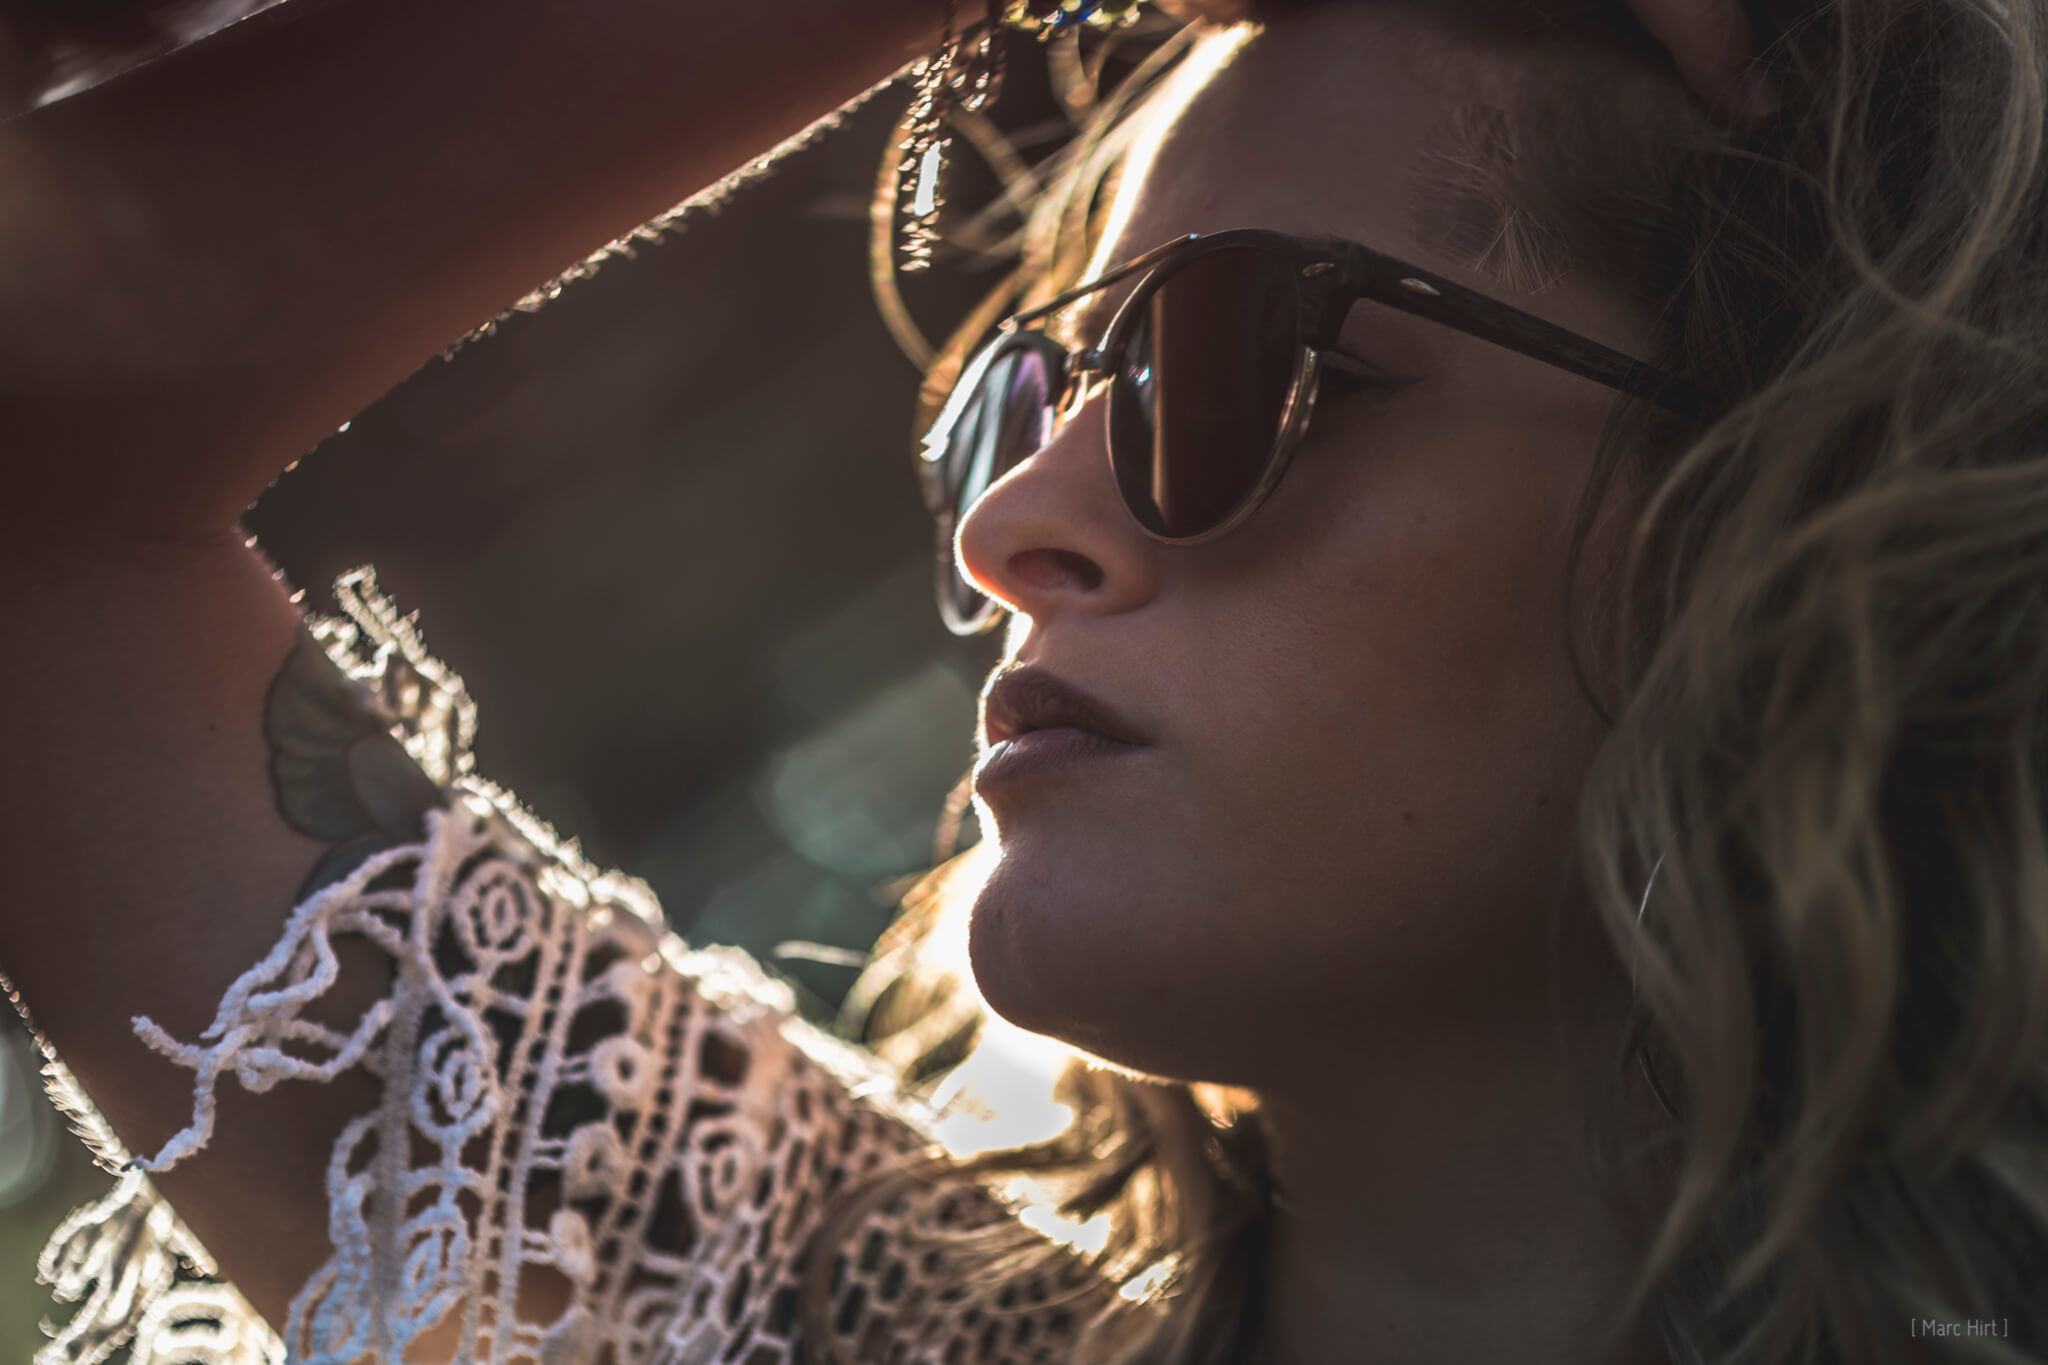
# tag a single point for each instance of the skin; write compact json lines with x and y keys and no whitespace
{"x":1339,"y":873}
{"x":1715,"y":50}
{"x":221,"y":256}
{"x":1711,"y":44}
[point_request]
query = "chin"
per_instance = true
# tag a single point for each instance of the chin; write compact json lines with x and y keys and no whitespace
{"x":1057,"y":951}
{"x":1010,"y":932}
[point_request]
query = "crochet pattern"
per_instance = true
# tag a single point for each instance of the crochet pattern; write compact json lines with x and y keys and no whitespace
{"x":596,"y":1145}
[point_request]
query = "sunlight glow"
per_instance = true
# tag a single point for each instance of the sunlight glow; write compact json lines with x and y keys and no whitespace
{"x":928,"y":180}
{"x":1150,"y":1282}
{"x":1210,"y":56}
{"x":1001,"y":1096}
{"x":1088,"y":1238}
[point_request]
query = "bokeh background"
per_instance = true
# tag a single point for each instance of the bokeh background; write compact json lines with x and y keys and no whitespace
{"x":668,"y":531}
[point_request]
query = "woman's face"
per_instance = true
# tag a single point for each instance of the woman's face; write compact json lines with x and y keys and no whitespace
{"x":1352,"y":821}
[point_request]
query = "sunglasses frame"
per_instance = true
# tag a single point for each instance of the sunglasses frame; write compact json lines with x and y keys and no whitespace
{"x":1331,"y":275}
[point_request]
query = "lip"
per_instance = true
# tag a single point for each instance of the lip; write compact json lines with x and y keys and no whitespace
{"x":1035,"y":722}
{"x":1032,"y":697}
{"x":1038,"y":752}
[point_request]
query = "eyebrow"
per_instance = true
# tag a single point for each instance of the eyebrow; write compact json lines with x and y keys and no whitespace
{"x":1462,"y":198}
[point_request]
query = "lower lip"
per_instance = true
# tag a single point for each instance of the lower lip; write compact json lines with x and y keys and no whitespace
{"x":1044,"y":751}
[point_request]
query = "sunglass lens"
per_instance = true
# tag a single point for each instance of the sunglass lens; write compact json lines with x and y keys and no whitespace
{"x":1010,"y":417}
{"x":1201,"y":386}
{"x":999,"y":417}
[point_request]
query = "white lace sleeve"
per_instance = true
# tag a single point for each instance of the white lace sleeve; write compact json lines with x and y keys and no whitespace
{"x":578,"y":1111}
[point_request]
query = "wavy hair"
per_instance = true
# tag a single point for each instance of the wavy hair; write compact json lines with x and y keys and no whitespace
{"x":1822,"y":656}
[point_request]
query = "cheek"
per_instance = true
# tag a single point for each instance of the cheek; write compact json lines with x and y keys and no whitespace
{"x":1366,"y":807}
{"x":1398,"y":735}
{"x":1410,"y":603}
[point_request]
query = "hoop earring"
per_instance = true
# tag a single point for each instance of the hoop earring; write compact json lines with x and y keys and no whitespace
{"x":1642,"y":1054}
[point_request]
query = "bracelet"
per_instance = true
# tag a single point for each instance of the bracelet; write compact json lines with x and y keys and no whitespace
{"x":966,"y":73}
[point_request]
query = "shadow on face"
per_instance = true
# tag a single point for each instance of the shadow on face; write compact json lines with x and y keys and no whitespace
{"x":1351,"y":829}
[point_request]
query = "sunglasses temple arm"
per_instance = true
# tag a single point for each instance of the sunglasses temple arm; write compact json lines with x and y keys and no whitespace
{"x":1452,"y":305}
{"x":1103,"y":281}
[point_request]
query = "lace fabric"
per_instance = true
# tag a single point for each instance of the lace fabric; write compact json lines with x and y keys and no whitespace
{"x":596,"y":1145}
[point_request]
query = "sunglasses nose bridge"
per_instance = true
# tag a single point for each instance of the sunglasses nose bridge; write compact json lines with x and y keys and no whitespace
{"x":1083,"y":383}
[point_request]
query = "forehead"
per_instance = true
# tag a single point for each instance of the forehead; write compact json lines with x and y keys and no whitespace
{"x":1311,"y":126}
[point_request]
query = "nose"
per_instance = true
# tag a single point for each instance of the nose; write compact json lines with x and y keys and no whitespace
{"x":1052,"y":536}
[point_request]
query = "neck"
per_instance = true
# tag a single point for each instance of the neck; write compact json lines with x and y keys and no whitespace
{"x":1441,"y":1204}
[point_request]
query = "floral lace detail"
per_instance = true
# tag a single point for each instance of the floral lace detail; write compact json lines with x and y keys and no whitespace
{"x":596,"y":1145}
{"x":144,"y":1281}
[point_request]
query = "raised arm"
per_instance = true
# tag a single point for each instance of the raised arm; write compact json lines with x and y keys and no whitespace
{"x":210,"y":263}
{"x":205,"y":265}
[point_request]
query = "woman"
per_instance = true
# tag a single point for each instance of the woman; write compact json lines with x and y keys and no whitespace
{"x":1559,"y":817}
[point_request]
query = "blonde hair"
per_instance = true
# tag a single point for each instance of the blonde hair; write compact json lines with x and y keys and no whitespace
{"x":1823,"y":653}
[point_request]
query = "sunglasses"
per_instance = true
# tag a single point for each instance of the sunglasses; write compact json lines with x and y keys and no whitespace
{"x":1213,"y":364}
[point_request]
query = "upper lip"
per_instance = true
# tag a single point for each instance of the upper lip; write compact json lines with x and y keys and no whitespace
{"x":1030,"y":697}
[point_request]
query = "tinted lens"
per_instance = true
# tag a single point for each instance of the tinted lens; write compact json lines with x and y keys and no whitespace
{"x":1006,"y":421}
{"x":1201,"y":384}
{"x":1000,"y":416}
